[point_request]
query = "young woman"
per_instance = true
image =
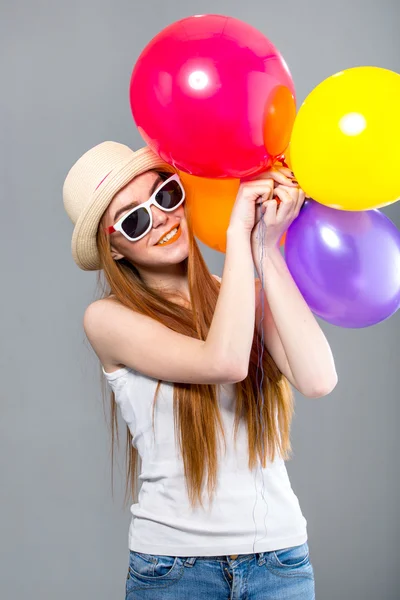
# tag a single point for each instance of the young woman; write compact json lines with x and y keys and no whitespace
{"x":193,"y":362}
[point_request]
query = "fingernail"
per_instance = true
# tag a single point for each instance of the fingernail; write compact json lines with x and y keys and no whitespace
{"x":295,"y":181}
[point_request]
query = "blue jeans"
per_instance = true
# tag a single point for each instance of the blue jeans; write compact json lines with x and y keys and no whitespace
{"x":285,"y":574}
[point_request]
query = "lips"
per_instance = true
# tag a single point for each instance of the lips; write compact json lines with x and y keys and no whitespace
{"x":166,"y":232}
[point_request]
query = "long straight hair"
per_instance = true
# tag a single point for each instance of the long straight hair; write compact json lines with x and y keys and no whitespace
{"x":197,"y":418}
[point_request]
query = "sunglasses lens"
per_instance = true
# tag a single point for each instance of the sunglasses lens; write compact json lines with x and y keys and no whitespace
{"x":136,"y":223}
{"x":169,"y":195}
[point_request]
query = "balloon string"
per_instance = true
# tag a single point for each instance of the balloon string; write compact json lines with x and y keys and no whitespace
{"x":260,"y":396}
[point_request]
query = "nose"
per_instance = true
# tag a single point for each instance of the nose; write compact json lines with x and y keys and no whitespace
{"x":159,"y":216}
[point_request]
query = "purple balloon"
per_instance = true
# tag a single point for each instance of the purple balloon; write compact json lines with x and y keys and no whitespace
{"x":345,"y":263}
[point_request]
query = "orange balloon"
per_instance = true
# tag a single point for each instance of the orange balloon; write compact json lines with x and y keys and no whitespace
{"x":209,"y":204}
{"x":279,"y":117}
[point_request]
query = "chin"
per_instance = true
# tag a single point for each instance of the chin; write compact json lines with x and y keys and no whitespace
{"x":174,"y":256}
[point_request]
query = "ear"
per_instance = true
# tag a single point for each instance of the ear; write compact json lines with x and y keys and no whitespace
{"x":115,"y":254}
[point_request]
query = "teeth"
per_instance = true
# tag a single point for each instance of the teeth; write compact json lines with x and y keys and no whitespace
{"x":168,"y":236}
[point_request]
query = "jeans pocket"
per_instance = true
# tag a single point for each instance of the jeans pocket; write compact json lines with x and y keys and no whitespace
{"x":291,"y":558}
{"x":151,"y":566}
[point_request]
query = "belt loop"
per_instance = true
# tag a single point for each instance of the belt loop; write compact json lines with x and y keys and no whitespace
{"x":261,"y":558}
{"x":190,"y":561}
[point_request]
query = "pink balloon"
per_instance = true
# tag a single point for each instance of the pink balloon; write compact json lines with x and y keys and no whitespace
{"x":213,"y":97}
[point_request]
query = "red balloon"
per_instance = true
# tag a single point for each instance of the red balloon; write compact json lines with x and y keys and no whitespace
{"x":213,"y":97}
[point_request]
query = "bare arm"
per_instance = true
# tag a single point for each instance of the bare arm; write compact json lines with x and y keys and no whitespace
{"x":120,"y":336}
{"x":292,"y":335}
{"x":232,"y":328}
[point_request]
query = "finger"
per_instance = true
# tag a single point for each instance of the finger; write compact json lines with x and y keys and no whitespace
{"x":286,"y":171}
{"x":284,"y":209}
{"x":271,"y":209}
{"x":260,"y":181}
{"x":284,"y":177}
{"x":300,"y":201}
{"x":288,"y":198}
{"x":262,"y":189}
{"x":286,"y":191}
{"x":261,"y":203}
{"x":278,"y":176}
{"x":260,"y":210}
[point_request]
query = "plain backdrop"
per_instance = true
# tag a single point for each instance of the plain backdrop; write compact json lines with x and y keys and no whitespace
{"x":65,"y":70}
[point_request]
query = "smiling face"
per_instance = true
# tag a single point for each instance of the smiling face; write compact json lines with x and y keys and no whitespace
{"x":145,"y":253}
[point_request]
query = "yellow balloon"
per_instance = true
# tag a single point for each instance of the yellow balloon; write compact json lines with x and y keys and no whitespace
{"x":345,"y":143}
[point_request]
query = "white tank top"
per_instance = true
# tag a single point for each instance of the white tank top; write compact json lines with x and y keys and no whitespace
{"x":252,"y":511}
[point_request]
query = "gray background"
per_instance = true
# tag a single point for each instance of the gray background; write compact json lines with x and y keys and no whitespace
{"x":65,"y":74}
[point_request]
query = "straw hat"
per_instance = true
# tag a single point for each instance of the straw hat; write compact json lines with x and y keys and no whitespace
{"x":90,"y":186}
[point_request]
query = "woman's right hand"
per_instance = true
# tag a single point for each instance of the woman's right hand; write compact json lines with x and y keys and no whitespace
{"x":252,"y":193}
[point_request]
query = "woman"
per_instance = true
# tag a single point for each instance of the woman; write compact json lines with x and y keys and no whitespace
{"x":181,"y":353}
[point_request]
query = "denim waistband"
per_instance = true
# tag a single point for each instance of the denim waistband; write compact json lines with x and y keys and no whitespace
{"x":229,"y":558}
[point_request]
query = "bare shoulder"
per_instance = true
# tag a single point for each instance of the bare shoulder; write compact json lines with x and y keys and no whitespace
{"x":98,"y":320}
{"x":96,"y":310}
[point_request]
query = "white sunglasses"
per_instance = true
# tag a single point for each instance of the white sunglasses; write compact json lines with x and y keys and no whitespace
{"x":137,"y":222}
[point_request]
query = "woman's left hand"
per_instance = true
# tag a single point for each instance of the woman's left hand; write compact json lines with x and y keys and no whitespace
{"x":278,"y":213}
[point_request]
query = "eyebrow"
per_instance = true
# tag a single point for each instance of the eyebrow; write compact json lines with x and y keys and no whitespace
{"x":136,"y":202}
